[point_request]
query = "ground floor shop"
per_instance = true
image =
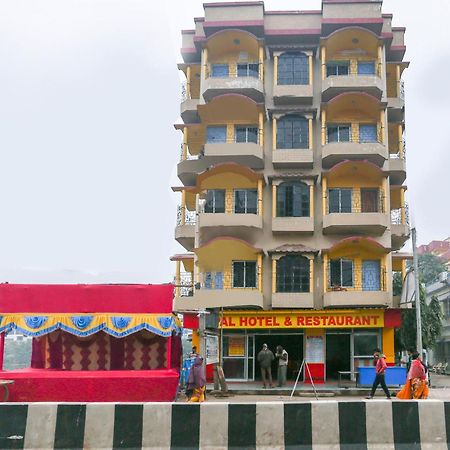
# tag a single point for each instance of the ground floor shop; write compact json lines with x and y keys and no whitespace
{"x":329,"y":341}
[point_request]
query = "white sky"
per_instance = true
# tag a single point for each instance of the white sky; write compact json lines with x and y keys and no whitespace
{"x":89,"y":91}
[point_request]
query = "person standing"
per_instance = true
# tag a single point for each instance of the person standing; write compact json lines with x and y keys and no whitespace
{"x":380,"y":369}
{"x":282,"y":356}
{"x":196,"y":384}
{"x":265,"y":358}
{"x":416,"y":386}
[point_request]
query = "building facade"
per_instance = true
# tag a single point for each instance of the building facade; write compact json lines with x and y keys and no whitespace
{"x":441,"y":249}
{"x":292,"y":173}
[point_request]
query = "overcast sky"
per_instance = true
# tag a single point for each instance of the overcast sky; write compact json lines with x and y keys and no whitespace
{"x":89,"y":91}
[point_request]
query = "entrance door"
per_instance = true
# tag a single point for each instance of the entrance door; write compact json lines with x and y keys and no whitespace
{"x":338,"y":355}
{"x":292,"y":343}
{"x":371,"y":275}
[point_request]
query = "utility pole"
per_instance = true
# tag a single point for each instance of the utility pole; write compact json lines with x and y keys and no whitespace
{"x":417,"y":291}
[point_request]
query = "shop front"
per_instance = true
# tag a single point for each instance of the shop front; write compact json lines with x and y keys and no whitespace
{"x":329,"y":341}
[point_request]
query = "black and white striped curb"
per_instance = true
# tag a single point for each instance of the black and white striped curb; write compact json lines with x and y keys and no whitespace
{"x":371,"y":425}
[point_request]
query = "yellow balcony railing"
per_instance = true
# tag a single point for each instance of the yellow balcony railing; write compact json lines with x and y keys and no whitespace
{"x":346,"y":132}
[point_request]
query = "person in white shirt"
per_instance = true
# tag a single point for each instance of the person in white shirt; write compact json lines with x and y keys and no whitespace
{"x":282,"y":356}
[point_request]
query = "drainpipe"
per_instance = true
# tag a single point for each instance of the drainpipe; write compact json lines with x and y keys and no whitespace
{"x":417,"y":291}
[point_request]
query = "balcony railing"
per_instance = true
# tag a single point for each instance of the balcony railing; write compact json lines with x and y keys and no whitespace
{"x":224,"y":281}
{"x":351,"y":135}
{"x":352,"y":69}
{"x":234,"y":70}
{"x":185,"y":285}
{"x":358,"y":279}
{"x":400,"y":216}
{"x":188,"y":157}
{"x":185,"y":95}
{"x":190,"y":217}
{"x":358,"y":203}
{"x":402,"y":90}
{"x":400,"y":154}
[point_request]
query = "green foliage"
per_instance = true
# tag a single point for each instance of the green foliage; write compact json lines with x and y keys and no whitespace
{"x":431,"y":325}
{"x":430,"y":266}
{"x":397,"y":284}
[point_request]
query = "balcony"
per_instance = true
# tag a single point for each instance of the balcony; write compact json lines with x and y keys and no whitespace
{"x":286,"y":158}
{"x":396,"y":105}
{"x":293,"y":300}
{"x":361,"y":286}
{"x":347,"y":143}
{"x":233,"y":78}
{"x":293,"y":225}
{"x":399,"y":227}
{"x":350,"y":77}
{"x":397,"y":166}
{"x":184,"y":291}
{"x":234,"y":221}
{"x":185,"y":228}
{"x":355,"y":211}
{"x":215,"y":291}
{"x":188,"y":106}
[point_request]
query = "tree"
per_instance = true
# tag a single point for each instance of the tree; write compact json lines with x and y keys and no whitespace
{"x":430,"y":266}
{"x":431,"y":324}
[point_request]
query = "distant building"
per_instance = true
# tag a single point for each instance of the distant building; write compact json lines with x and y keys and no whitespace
{"x":441,"y":290}
{"x":438,"y":248}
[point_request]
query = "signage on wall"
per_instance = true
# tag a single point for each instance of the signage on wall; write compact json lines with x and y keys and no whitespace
{"x":372,"y":318}
{"x":212,"y":349}
{"x":236,"y":346}
{"x":315,"y":349}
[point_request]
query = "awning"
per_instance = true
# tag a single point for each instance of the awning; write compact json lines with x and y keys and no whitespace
{"x":116,"y":325}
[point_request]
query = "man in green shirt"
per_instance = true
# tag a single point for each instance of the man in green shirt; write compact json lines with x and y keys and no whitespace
{"x":265,"y":358}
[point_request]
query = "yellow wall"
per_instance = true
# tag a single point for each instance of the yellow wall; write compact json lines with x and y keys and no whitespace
{"x":228,"y":181}
{"x":354,"y":180}
{"x":388,"y":344}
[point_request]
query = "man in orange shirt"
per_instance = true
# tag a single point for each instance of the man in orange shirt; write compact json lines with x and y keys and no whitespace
{"x":380,"y":369}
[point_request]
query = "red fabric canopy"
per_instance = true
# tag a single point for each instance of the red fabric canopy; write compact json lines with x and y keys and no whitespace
{"x":86,"y":298}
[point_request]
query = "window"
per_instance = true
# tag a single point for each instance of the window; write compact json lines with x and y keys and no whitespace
{"x":365,"y":343}
{"x":292,"y":132}
{"x":219,"y":70}
{"x":339,"y":200}
{"x":367,"y":133}
{"x":293,"y":69}
{"x":216,"y":134}
{"x":245,"y":201}
{"x":293,"y":274}
{"x":215,"y":201}
{"x":338,"y":133}
{"x":246,"y":133}
{"x":366,"y":68}
{"x":213,"y":280}
{"x":248,"y":70}
{"x":337,"y":68}
{"x":293,"y":199}
{"x":244,"y":274}
{"x":341,"y":273}
{"x":370,"y":200}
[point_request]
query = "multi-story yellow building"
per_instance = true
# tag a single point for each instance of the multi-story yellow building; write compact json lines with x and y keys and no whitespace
{"x":292,"y":177}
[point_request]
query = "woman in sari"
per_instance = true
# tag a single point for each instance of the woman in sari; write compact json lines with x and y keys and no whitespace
{"x":416,"y":386}
{"x":196,"y":383}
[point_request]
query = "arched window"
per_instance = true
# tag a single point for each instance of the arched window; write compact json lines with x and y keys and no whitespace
{"x":292,"y":132}
{"x":293,"y":68}
{"x":293,"y":274}
{"x":293,"y":199}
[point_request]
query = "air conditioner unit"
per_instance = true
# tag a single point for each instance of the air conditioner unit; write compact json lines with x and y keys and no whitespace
{"x":443,"y":277}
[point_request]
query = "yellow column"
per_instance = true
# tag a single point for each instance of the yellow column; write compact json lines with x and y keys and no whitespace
{"x":324,"y":62}
{"x":274,"y":133}
{"x":310,"y":131}
{"x":388,"y":345}
{"x":183,"y":207}
{"x":380,"y":61}
{"x":325,"y":269}
{"x":260,"y":272}
{"x":324,"y":195}
{"x":188,"y":82}
{"x":311,"y":275}
{"x":400,"y":141}
{"x":311,"y":200}
{"x":403,"y":269}
{"x":261,"y":62}
{"x":310,"y":64}
{"x":185,"y":143}
{"x":274,"y":276}
{"x":260,"y":197}
{"x":382,"y":126}
{"x":229,"y":201}
{"x":397,"y":78}
{"x":402,"y":205}
{"x":196,"y":339}
{"x":274,"y":201}
{"x":275,"y":70}
{"x":205,"y":63}
{"x":178,"y":278}
{"x":230,"y":132}
{"x":385,"y":193}
{"x":324,"y":127}
{"x":261,"y":128}
{"x":355,"y":132}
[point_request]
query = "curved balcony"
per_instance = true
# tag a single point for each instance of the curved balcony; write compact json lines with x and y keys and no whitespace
{"x":189,"y":103}
{"x":337,"y":84}
{"x":355,"y":274}
{"x":185,"y":228}
{"x":400,"y":230}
